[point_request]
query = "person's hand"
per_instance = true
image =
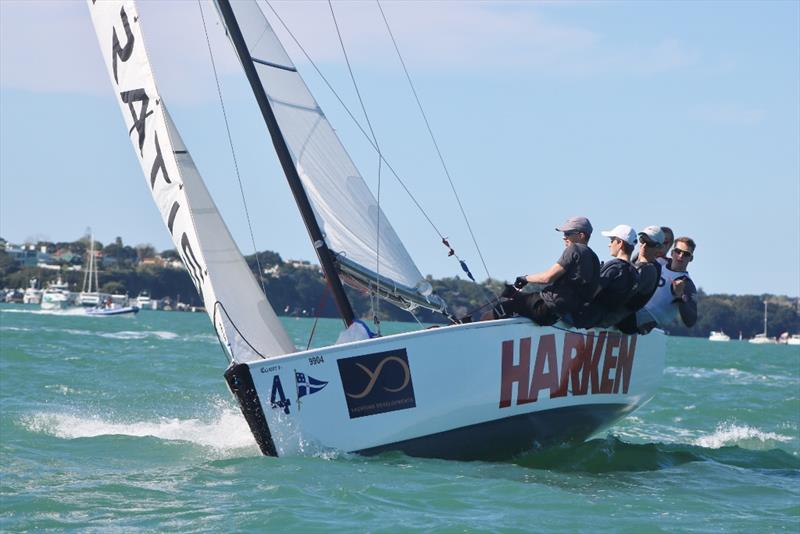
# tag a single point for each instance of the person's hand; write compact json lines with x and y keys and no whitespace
{"x":521,"y":282}
{"x":509,"y":292}
{"x":678,"y":287}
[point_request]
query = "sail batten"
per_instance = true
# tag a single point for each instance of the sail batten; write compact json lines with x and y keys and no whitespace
{"x":270,"y":64}
{"x":351,"y":222}
{"x":243,"y":319}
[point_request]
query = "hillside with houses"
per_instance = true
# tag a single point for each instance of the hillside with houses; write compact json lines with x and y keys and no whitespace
{"x":297,"y":287}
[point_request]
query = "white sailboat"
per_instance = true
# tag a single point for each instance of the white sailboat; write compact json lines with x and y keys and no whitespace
{"x":90,"y":295}
{"x":480,"y":390}
{"x":763,"y":339}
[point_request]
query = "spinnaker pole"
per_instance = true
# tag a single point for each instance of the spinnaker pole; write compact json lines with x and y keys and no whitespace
{"x":325,"y":255}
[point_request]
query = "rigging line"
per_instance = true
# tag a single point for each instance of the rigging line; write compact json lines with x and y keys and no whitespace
{"x":233,"y":152}
{"x":376,"y":305}
{"x":433,"y":138}
{"x":355,"y":121}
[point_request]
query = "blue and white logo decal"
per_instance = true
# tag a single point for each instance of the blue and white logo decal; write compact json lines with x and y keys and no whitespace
{"x":307,"y":384}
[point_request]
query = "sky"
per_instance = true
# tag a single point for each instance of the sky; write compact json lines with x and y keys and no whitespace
{"x":681,"y":114}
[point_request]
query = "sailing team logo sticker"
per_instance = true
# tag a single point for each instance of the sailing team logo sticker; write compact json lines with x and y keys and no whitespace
{"x":377,"y":383}
{"x":307,"y":384}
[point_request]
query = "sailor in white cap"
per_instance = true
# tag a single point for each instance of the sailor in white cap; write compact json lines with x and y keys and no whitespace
{"x":651,"y":247}
{"x":619,"y":279}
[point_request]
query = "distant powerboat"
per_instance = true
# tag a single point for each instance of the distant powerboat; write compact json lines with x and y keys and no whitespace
{"x":786,"y":339}
{"x":718,"y":336}
{"x":144,"y":301}
{"x":110,"y":308}
{"x":57,"y":296}
{"x":32,"y":295}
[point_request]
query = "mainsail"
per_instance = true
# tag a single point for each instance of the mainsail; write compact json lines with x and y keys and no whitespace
{"x":244,"y":321}
{"x":352,"y":224}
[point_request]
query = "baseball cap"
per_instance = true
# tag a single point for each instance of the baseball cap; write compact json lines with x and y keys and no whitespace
{"x":576,"y":224}
{"x":652,"y":235}
{"x":622,"y":231}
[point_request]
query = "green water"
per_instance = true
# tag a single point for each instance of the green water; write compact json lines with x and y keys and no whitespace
{"x":125,"y":424}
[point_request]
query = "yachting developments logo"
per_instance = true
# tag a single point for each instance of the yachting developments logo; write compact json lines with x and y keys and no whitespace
{"x":377,"y":383}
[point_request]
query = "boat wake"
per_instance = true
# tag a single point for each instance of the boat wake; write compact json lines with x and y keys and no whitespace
{"x":223,"y":430}
{"x":76,"y":312}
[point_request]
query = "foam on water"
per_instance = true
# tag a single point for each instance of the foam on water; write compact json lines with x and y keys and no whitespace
{"x":223,"y":429}
{"x":75,"y":312}
{"x":748,"y":437}
{"x":139,"y":334}
{"x":734,"y":375}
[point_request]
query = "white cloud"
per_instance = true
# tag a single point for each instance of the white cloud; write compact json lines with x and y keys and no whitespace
{"x":49,"y":46}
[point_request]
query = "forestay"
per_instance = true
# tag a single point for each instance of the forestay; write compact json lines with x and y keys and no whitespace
{"x":244,"y":321}
{"x":353,"y":224}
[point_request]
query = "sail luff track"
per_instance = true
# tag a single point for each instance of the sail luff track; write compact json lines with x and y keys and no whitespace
{"x":323,"y":252}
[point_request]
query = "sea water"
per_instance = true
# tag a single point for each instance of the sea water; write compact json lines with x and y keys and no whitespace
{"x":124,"y":424}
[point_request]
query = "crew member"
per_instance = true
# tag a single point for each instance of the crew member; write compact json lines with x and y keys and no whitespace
{"x":571,"y":282}
{"x":651,"y":245}
{"x":619,"y":279}
{"x":673,"y":302}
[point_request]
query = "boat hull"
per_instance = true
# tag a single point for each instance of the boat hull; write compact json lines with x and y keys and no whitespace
{"x":107,"y":312}
{"x":485,"y":390}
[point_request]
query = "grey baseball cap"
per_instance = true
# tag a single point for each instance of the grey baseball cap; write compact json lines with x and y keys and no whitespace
{"x":576,"y":224}
{"x":653,"y":234}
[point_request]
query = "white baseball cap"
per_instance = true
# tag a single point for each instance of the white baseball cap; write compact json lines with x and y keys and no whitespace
{"x":623,"y":232}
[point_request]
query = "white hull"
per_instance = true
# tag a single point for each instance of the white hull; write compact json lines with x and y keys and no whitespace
{"x":475,"y":391}
{"x":762,"y":339}
{"x":719,"y":336}
{"x":56,"y":302}
{"x":92,"y":299}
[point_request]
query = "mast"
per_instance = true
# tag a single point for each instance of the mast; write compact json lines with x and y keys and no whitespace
{"x":765,"y":318}
{"x":324,"y":254}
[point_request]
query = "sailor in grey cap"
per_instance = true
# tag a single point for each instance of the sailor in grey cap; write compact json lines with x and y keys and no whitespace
{"x":571,"y":282}
{"x":577,"y":224}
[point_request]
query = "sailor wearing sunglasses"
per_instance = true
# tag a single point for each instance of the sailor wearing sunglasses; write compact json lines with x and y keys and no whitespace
{"x":673,"y":302}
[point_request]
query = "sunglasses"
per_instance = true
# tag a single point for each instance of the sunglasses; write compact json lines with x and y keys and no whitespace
{"x":648,"y":242}
{"x":571,"y":233}
{"x":681,"y":252}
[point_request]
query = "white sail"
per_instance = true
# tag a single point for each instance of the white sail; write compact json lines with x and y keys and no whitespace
{"x":353,"y":224}
{"x":243,"y":318}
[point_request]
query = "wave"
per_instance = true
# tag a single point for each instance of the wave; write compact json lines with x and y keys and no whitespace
{"x":138,"y":334}
{"x":223,"y":430}
{"x":736,"y":376}
{"x":611,"y":454}
{"x":730,"y":434}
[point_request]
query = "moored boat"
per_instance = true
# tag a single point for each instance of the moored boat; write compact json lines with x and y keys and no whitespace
{"x":718,"y":336}
{"x":57,"y":296}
